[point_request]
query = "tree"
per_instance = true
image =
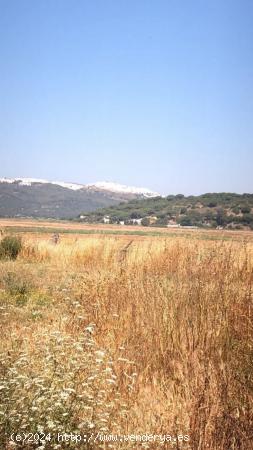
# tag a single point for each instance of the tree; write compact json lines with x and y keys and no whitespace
{"x":185,"y":221}
{"x":245,"y":209}
{"x":179,"y":196}
{"x":145,"y":222}
{"x":220,"y":217}
{"x":247,"y":219}
{"x":135,"y":215}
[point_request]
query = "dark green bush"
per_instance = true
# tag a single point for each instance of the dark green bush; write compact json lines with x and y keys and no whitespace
{"x":185,"y":221}
{"x":245,"y":210}
{"x":145,"y":222}
{"x":247,"y":218}
{"x":212,"y":204}
{"x":10,"y":246}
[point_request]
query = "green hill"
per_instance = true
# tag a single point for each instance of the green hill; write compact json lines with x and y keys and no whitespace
{"x":226,"y":210}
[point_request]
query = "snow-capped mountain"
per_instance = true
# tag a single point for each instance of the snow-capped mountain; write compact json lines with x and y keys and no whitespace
{"x":103,"y":185}
{"x":30,"y":181}
{"x":33,"y":197}
{"x":116,"y":187}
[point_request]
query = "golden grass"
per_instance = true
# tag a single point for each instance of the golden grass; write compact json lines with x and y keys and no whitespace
{"x":173,"y":318}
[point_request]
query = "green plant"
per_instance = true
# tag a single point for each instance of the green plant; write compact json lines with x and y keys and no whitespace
{"x":15,"y":284}
{"x":17,"y":287}
{"x":212,"y":204}
{"x":145,"y":222}
{"x":185,"y":221}
{"x":236,"y":210}
{"x":10,"y":247}
{"x":246,"y":209}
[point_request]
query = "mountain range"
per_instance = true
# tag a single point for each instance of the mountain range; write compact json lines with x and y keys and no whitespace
{"x":32,"y":197}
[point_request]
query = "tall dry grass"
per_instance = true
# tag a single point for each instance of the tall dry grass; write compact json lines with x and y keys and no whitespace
{"x":172,"y":319}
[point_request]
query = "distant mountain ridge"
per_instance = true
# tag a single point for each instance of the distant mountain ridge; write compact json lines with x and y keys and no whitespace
{"x":31,"y":181}
{"x":103,"y":185}
{"x":115,"y":187}
{"x":32,"y":197}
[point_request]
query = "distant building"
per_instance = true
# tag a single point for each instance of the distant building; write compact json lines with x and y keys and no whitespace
{"x":136,"y":221}
{"x":189,"y":227}
{"x":106,"y":219}
{"x":173,"y":225}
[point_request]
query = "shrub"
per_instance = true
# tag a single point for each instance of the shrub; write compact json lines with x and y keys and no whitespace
{"x":220,"y":217}
{"x":245,"y":209}
{"x":135,"y":215}
{"x":179,"y":196}
{"x":145,"y":222}
{"x":10,"y":246}
{"x":17,"y":287}
{"x":185,"y":221}
{"x":247,"y":219}
{"x":161,"y":222}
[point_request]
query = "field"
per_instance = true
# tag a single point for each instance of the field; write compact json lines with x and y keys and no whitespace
{"x":111,"y":334}
{"x":65,"y":227}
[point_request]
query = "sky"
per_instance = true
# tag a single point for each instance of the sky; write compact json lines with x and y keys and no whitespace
{"x":153,"y":93}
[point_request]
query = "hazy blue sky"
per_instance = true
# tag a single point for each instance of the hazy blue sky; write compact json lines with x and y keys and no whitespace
{"x":156,"y":93}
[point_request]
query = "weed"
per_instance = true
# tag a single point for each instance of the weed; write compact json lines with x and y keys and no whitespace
{"x":10,"y":247}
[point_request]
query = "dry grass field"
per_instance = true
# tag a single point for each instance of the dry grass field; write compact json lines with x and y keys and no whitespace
{"x":42,"y":226}
{"x":117,"y":335}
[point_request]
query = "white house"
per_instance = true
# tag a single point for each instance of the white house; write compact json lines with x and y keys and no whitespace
{"x":106,"y":219}
{"x":136,"y":221}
